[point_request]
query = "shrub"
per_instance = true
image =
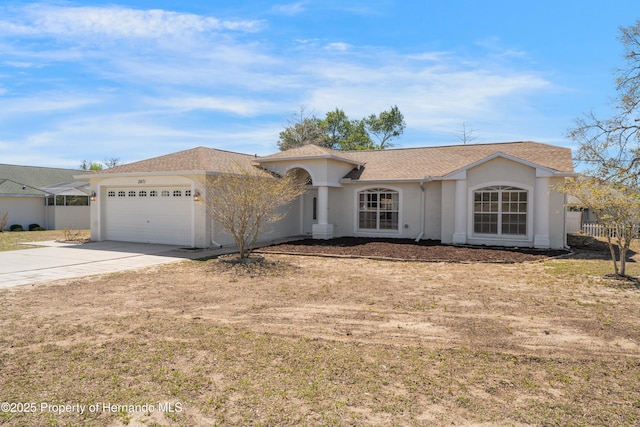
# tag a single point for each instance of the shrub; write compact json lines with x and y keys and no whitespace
{"x":4,"y":220}
{"x":35,"y":227}
{"x":16,"y":227}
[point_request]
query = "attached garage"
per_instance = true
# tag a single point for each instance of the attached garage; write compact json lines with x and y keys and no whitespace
{"x":158,"y":214}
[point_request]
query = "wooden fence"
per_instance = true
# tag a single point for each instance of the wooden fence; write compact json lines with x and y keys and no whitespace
{"x":597,"y":230}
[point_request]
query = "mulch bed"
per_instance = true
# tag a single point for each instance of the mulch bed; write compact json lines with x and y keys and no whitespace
{"x":407,"y":249}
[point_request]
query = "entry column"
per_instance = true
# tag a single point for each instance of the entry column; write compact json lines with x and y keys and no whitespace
{"x":323,"y":230}
{"x":460,"y":213}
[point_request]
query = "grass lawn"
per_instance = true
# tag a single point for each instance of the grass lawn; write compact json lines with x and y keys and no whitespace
{"x":14,"y":240}
{"x":323,"y":341}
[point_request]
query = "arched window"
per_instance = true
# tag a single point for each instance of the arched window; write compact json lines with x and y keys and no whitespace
{"x":500,"y":210}
{"x":378,"y":209}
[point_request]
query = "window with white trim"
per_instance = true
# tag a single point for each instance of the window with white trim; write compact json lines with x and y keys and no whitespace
{"x":500,"y":210}
{"x":378,"y":209}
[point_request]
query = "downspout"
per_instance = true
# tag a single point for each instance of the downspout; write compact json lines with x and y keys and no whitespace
{"x":564,"y":219}
{"x":422,"y":208}
{"x":212,"y":222}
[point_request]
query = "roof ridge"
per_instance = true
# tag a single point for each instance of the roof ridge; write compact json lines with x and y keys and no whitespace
{"x":445,"y":146}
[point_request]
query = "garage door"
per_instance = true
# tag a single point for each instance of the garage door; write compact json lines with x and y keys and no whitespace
{"x":148,"y":215}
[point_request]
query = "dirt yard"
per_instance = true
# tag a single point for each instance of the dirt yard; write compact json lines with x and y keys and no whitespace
{"x":306,"y":340}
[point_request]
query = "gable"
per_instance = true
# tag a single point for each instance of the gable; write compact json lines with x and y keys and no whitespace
{"x":501,"y":169}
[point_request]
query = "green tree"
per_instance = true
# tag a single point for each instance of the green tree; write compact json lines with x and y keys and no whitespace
{"x":338,"y":132}
{"x":90,"y":166}
{"x":302,"y":129}
{"x":86,"y":165}
{"x":245,"y":201}
{"x":616,"y":207}
{"x":609,"y":148}
{"x":386,"y":126}
{"x":344,"y":134}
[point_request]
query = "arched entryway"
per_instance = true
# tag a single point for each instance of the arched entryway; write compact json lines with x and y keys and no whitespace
{"x":308,"y":201}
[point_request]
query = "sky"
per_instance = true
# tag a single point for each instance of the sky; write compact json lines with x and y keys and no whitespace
{"x":135,"y":79}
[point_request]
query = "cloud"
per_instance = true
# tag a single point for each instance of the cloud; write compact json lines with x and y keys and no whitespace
{"x":434,"y":96}
{"x":123,"y":80}
{"x":115,"y":22}
{"x":235,"y":105}
{"x":44,"y":104}
{"x":338,"y":46}
{"x":289,"y":9}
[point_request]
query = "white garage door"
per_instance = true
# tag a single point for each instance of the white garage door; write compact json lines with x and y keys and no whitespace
{"x":148,"y":214}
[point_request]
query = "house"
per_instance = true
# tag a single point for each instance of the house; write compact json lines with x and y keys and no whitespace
{"x":49,"y":197}
{"x":487,"y":194}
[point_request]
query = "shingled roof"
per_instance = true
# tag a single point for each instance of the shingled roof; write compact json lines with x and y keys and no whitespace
{"x":309,"y":151}
{"x":401,"y":164}
{"x":416,"y":163}
{"x":33,"y":178}
{"x":197,"y":159}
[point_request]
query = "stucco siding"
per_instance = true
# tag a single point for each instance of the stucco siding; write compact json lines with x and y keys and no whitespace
{"x":501,"y":170}
{"x":343,"y":211}
{"x":433,"y":210}
{"x":24,"y":211}
{"x":74,"y":217}
{"x":448,"y":205}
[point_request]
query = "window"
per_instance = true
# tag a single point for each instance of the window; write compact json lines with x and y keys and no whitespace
{"x":177,"y":193}
{"x":187,"y":193}
{"x":153,"y":193}
{"x":76,"y":200}
{"x":500,"y":210}
{"x":121,"y":194}
{"x":315,"y":208}
{"x":165,"y":193}
{"x":378,"y":209}
{"x":67,"y":201}
{"x":142,"y":193}
{"x":132,"y":194}
{"x":111,"y":194}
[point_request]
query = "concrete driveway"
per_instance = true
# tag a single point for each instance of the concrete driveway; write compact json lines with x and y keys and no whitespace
{"x":64,"y":260}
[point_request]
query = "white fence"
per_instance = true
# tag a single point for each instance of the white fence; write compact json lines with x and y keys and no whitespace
{"x":597,"y":230}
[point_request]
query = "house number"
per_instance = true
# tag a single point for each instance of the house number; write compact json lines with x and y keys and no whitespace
{"x":142,"y":181}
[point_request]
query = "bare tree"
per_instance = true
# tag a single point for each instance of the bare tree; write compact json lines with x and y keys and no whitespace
{"x":245,"y":201}
{"x":111,"y":162}
{"x":4,"y":220}
{"x":465,"y":135}
{"x":609,"y":148}
{"x":303,"y":128}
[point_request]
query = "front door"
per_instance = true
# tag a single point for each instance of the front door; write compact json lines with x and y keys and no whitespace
{"x":309,"y":210}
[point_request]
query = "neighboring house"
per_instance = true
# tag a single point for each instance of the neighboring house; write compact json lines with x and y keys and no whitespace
{"x":49,"y":197}
{"x":488,"y":194}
